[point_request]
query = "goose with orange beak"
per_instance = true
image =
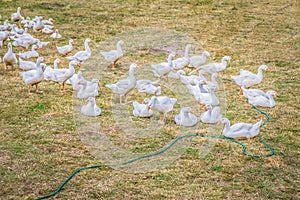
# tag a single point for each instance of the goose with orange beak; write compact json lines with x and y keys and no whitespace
{"x":247,"y":79}
{"x":124,"y":86}
{"x":10,"y":58}
{"x":161,"y":104}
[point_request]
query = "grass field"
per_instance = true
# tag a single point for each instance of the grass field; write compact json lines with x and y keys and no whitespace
{"x":39,"y":142}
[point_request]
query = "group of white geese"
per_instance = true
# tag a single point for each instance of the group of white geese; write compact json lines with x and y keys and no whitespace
{"x":203,"y":90}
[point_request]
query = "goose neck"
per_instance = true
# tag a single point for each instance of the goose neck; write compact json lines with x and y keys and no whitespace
{"x":186,"y":53}
{"x":131,"y":72}
{"x":10,"y":49}
{"x":119,"y":49}
{"x":224,"y":61}
{"x":170,"y":60}
{"x":55,"y":65}
{"x":226,"y":127}
{"x":86,"y":46}
{"x":38,"y":64}
{"x":186,"y":113}
{"x":259,"y":73}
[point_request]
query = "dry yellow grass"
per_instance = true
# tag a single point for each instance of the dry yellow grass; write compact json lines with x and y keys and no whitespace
{"x":40,"y":144}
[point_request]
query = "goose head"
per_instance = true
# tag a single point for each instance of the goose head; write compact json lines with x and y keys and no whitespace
{"x":91,"y":100}
{"x":120,"y":42}
{"x":263,"y":67}
{"x":146,"y":101}
{"x":34,"y":47}
{"x":271,"y":93}
{"x":132,"y":67}
{"x":205,"y":54}
{"x":170,"y":57}
{"x":152,"y":101}
{"x":185,"y":110}
{"x":57,"y":60}
{"x":39,"y":60}
{"x":43,"y":66}
{"x":208,"y":107}
{"x":226,"y":58}
{"x":87,"y":40}
{"x":74,"y":63}
{"x":180,"y":72}
{"x":225,"y":121}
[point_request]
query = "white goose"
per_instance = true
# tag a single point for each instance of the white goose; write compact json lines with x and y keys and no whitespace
{"x":185,"y":117}
{"x":48,"y":21}
{"x":182,"y":62}
{"x":162,"y":69}
{"x":74,"y":81}
{"x":196,"y":61}
{"x":176,"y":75}
{"x":25,"y":21}
{"x":87,"y":88}
{"x":141,"y":110}
{"x":263,"y":100}
{"x":124,"y":86}
{"x":3,"y":37}
{"x":5,"y":26}
{"x":33,"y":77}
{"x":38,"y":24}
{"x":82,"y":56}
{"x":211,"y":115}
{"x":30,"y":54}
{"x":240,"y":130}
{"x":90,"y":109}
{"x":60,"y":76}
{"x":41,"y":44}
{"x":251,"y":93}
{"x":9,"y":57}
{"x":247,"y":79}
{"x":64,"y":50}
{"x":215,"y":67}
{"x":148,"y":87}
{"x":49,"y":71}
{"x":16,"y":16}
{"x":114,"y":55}
{"x":26,"y":65}
{"x":209,"y":98}
{"x":47,"y":30}
{"x":55,"y":35}
{"x":162,"y":104}
{"x":193,"y":79}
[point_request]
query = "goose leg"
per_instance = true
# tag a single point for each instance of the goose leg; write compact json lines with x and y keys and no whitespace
{"x":60,"y":88}
{"x":160,"y":117}
{"x":63,"y":88}
{"x":240,"y":91}
{"x":28,"y":89}
{"x":36,"y":88}
{"x":120,"y":99}
{"x":113,"y":66}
